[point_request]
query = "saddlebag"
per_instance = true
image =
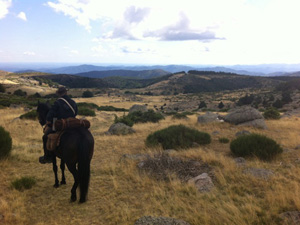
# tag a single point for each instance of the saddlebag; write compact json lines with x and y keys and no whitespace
{"x":71,"y":123}
{"x":53,"y":141}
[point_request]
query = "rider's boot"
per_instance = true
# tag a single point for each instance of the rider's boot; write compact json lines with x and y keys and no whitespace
{"x":47,"y":158}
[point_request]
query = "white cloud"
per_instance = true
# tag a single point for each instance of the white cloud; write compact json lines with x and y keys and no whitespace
{"x":74,"y":52}
{"x":29,"y":53}
{"x":4,"y":5}
{"x":22,"y":16}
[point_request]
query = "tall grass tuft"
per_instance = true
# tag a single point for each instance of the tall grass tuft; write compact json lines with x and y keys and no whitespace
{"x":23,"y":183}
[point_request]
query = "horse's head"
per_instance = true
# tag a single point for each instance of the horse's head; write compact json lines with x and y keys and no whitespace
{"x":42,"y":110}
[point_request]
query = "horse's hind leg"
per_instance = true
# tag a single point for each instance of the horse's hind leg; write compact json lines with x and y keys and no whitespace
{"x":74,"y":172}
{"x":56,"y":185}
{"x":62,"y":167}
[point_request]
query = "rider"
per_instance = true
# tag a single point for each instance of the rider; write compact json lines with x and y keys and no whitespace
{"x":64,"y":107}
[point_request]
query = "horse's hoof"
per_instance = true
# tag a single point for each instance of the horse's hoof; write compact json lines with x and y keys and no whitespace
{"x":63,"y":182}
{"x":82,"y":201}
{"x":56,"y":185}
{"x":73,"y":199}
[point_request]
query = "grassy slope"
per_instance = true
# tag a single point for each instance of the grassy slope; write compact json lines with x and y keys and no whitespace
{"x":119,"y":194}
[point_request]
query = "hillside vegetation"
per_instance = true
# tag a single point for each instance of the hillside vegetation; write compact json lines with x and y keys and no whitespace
{"x":181,"y":82}
{"x":120,"y":193}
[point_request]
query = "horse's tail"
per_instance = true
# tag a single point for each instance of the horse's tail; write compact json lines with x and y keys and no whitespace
{"x":84,"y":151}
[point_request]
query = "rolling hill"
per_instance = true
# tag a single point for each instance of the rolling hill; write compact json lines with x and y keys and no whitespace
{"x":191,"y":82}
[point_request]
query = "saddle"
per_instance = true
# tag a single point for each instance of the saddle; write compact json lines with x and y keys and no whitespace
{"x":61,"y":126}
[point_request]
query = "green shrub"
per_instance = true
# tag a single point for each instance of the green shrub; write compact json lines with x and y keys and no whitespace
{"x":140,"y":117}
{"x":86,"y":111}
{"x":36,"y":95}
{"x":87,"y":94}
{"x":31,"y":115}
{"x":111,"y":108}
{"x":124,"y":119}
{"x":23,"y":183}
{"x":271,"y":113}
{"x":179,"y":116}
{"x":255,"y":145}
{"x":177,"y":137}
{"x":5,"y":143}
{"x":5,"y":102}
{"x":2,"y":88}
{"x":224,"y":140}
{"x":19,"y":92}
{"x":87,"y":105}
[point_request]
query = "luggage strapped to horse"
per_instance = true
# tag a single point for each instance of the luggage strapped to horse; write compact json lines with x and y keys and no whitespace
{"x":60,"y":126}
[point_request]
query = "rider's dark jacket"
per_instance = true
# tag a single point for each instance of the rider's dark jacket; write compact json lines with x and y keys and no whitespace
{"x":61,"y":110}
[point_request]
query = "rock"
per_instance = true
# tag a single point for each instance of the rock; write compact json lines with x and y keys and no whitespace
{"x":215,"y":133}
{"x":136,"y":108}
{"x":208,"y":117}
{"x":290,"y":218}
{"x":242,"y":132}
{"x":195,"y":145}
{"x":203,"y":182}
{"x":259,"y":173}
{"x":149,"y":220}
{"x":240,"y":161}
{"x":259,"y":123}
{"x":169,"y":151}
{"x":120,"y":129}
{"x":246,"y":116}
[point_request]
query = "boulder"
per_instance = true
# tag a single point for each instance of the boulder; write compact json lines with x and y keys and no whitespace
{"x":136,"y":108}
{"x":246,"y":116}
{"x":120,"y":129}
{"x":259,"y":173}
{"x":241,"y":133}
{"x":149,"y":220}
{"x":208,"y":117}
{"x":203,"y":182}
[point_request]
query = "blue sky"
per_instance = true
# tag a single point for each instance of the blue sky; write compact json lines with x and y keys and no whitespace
{"x":150,"y":31}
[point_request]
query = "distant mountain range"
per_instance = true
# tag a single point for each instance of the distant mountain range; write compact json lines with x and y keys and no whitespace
{"x":253,"y":70}
{"x":192,"y":82}
{"x":143,"y":74}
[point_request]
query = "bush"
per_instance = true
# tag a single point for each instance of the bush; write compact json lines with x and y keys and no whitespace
{"x":177,"y":137}
{"x":23,"y":183}
{"x":271,"y":113}
{"x":2,"y":88}
{"x":5,"y":102}
{"x":87,"y":105}
{"x":224,"y":140}
{"x":255,"y":145}
{"x":111,"y":108}
{"x":179,"y":116}
{"x":87,"y":94}
{"x":19,"y":92}
{"x":31,"y":115}
{"x":5,"y":143}
{"x":86,"y":111}
{"x":140,"y":117}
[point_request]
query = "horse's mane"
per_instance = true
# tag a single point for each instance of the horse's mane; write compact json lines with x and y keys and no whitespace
{"x":43,"y":106}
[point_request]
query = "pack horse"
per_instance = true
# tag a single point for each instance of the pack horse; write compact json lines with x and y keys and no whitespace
{"x":75,"y":149}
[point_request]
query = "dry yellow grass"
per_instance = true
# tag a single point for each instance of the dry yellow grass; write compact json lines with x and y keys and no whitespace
{"x":119,"y":194}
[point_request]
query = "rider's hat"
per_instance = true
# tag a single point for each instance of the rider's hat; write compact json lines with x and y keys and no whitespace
{"x":61,"y":91}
